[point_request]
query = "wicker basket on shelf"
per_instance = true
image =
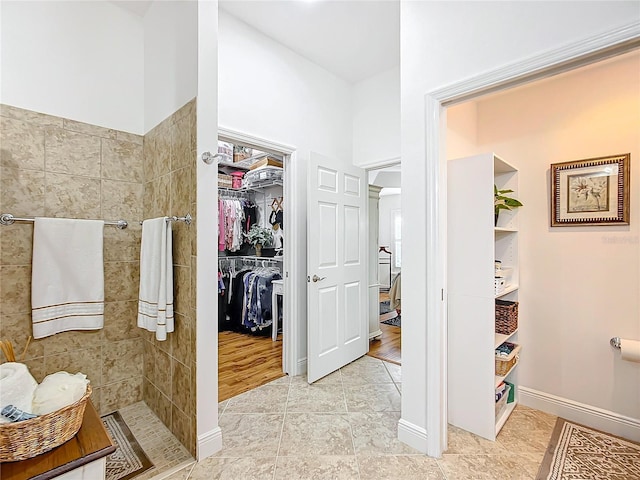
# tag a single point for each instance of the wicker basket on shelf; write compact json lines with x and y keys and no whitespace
{"x":504,"y":364}
{"x":506,"y":317}
{"x":26,"y":439}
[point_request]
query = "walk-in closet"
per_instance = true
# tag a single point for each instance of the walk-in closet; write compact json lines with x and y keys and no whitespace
{"x":251,"y":247}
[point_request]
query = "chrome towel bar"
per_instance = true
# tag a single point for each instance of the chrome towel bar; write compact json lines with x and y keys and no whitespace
{"x":8,"y":219}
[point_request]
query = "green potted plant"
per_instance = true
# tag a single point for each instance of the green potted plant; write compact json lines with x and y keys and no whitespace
{"x":502,"y":202}
{"x":258,"y":237}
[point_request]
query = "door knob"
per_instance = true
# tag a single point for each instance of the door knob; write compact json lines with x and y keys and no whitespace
{"x":316,"y":278}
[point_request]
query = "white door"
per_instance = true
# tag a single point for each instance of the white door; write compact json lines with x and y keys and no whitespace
{"x":337,"y":331}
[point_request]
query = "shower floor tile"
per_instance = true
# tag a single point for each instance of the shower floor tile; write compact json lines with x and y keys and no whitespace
{"x":161,"y":446}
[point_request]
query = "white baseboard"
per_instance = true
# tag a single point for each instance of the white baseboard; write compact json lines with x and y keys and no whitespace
{"x":412,"y":435}
{"x":301,"y":367}
{"x":588,"y":415}
{"x":209,"y":443}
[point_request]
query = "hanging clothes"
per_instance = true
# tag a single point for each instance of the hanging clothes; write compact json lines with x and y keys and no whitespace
{"x":235,"y":218}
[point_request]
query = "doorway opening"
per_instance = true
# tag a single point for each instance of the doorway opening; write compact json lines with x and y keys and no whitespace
{"x":598,"y":115}
{"x":253,"y":341}
{"x":385,"y":250}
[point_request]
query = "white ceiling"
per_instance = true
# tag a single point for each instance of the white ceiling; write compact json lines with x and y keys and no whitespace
{"x":353,"y":39}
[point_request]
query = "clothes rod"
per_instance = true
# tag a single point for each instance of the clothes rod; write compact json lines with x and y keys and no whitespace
{"x":9,"y":219}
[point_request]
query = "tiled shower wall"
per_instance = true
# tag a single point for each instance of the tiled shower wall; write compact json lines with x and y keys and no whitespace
{"x":170,"y":186}
{"x":55,"y":167}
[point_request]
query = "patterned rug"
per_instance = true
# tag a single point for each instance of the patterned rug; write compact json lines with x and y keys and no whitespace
{"x":128,"y":460}
{"x":395,"y":321}
{"x":388,"y":315}
{"x":576,"y":452}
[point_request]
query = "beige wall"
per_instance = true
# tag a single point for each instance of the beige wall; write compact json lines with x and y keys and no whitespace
{"x":55,"y":167}
{"x":579,"y":285}
{"x":170,"y":186}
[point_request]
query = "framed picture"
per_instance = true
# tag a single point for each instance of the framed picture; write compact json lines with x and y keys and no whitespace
{"x":594,"y":191}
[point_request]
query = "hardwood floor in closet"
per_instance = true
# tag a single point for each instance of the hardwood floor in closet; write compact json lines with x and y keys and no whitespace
{"x":246,"y":362}
{"x":388,"y":347}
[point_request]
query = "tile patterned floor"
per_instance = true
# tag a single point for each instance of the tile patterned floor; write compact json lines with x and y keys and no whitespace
{"x":163,"y":449}
{"x":345,"y":427}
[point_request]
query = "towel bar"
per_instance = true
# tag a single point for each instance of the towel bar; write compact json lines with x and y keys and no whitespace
{"x":615,"y":342}
{"x":9,"y":219}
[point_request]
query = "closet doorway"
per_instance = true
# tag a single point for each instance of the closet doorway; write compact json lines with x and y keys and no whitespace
{"x":385,"y":263}
{"x":251,"y":263}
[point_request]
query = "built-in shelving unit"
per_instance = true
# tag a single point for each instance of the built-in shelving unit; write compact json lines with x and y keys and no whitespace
{"x":474,"y":243}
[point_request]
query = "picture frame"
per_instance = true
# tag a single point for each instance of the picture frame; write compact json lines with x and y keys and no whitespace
{"x":594,"y":191}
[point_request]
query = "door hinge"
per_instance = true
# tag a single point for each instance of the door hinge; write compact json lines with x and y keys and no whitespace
{"x":442,"y":294}
{"x":308,"y":279}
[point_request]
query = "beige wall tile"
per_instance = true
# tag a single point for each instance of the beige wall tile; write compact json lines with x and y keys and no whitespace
{"x":123,"y":245}
{"x":76,"y":149}
{"x":122,"y":360}
{"x":162,"y":153}
{"x":182,"y":340}
{"x":122,"y":200}
{"x":37,"y":368}
{"x":194,"y":230}
{"x":181,"y":244}
{"x":21,"y":144}
{"x":72,"y":340}
{"x":22,"y":192}
{"x":181,"y":192}
{"x":163,"y":196}
{"x":130,"y":137}
{"x":121,"y":281}
{"x":187,"y":110}
{"x":147,"y":199}
{"x":15,"y":285}
{"x":181,"y":143}
{"x":122,"y":160}
{"x":87,"y":361}
{"x":164,"y":409}
{"x":149,"y":360}
{"x":17,"y":329}
{"x":120,"y":322}
{"x":182,"y":285}
{"x":117,"y":395}
{"x":29,"y":116}
{"x":72,"y":197}
{"x":72,"y":153}
{"x":194,"y":282}
{"x":163,"y":372}
{"x":181,"y":427}
{"x":149,"y":164}
{"x":166,"y":345}
{"x":95,"y":399}
{"x":16,"y":244}
{"x":181,"y":387}
{"x":89,"y":129}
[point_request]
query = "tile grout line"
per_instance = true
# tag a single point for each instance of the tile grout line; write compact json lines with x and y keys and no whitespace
{"x":284,"y":418}
{"x":346,"y":405}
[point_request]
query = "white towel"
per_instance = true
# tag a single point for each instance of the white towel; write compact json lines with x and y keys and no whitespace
{"x":67,"y":280}
{"x":155,"y":301}
{"x":16,"y":387}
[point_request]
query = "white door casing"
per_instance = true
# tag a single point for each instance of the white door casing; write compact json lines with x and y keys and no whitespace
{"x":337,"y":321}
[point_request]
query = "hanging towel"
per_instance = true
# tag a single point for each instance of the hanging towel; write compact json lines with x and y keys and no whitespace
{"x":155,"y":303}
{"x":67,"y":284}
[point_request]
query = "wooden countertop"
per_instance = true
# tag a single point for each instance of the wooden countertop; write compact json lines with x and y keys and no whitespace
{"x":92,"y":442}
